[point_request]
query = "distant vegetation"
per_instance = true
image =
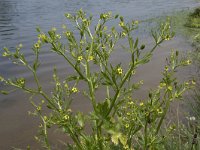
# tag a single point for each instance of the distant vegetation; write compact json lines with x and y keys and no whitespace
{"x":194,"y":19}
{"x":193,"y":22}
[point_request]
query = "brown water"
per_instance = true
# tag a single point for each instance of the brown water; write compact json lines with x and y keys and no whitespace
{"x":17,"y":22}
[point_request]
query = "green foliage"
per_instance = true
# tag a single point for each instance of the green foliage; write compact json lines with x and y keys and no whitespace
{"x":118,"y":121}
{"x":196,"y":13}
{"x":194,"y":19}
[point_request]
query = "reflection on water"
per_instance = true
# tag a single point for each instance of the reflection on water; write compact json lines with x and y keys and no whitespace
{"x":8,"y":14}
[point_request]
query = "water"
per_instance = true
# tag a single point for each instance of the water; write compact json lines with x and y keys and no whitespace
{"x":18,"y":20}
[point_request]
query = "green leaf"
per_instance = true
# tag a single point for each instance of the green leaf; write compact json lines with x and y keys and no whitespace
{"x":72,"y":78}
{"x":131,"y":42}
{"x":123,"y":139}
{"x":80,"y":119}
{"x":103,"y":108}
{"x":106,"y":77}
{"x":118,"y":136}
{"x":116,"y":16}
{"x":36,"y":65}
{"x":136,"y":43}
{"x":115,"y":138}
{"x":49,"y":106}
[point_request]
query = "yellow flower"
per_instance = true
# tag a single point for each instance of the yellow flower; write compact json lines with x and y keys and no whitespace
{"x":133,"y":72}
{"x":39,"y":108}
{"x":159,"y":111}
{"x":66,"y":117}
{"x":188,"y":62}
{"x":74,"y":90}
{"x":90,"y":58}
{"x":36,"y":45}
{"x":67,"y":33}
{"x":127,"y":125}
{"x":167,"y":38}
{"x":130,"y":103}
{"x":141,"y":104}
{"x":119,"y":71}
{"x":166,"y":68}
{"x":80,"y":58}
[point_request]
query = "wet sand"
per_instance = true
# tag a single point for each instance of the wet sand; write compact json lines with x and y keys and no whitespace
{"x":17,"y":128}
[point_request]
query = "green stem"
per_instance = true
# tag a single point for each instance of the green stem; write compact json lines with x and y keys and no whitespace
{"x":131,"y":133}
{"x":99,"y":136}
{"x":124,"y":80}
{"x":145,"y":136}
{"x":163,"y":116}
{"x":75,"y":139}
{"x":49,"y":100}
{"x":89,"y":80}
{"x":40,"y":91}
{"x":91,"y":89}
{"x":45,"y":134}
{"x":119,"y":89}
{"x":76,"y":69}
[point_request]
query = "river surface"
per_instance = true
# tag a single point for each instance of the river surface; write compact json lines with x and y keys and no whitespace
{"x":18,"y":20}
